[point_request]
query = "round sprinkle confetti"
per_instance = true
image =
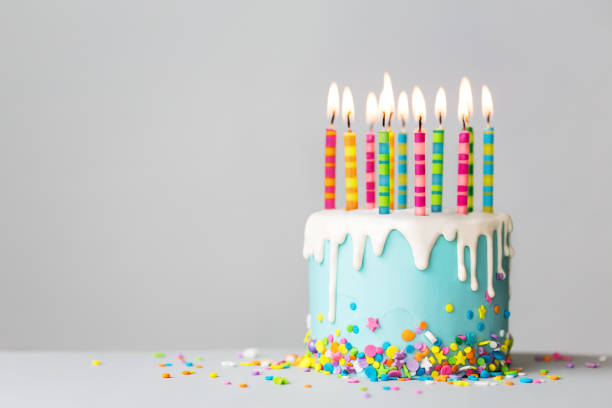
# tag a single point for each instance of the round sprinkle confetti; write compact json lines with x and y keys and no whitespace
{"x":320,"y":317}
{"x":506,"y":314}
{"x":408,"y":335}
{"x":243,"y":385}
{"x":496,"y":309}
{"x":165,"y":375}
{"x":213,"y":375}
{"x":570,"y":365}
{"x":96,"y":362}
{"x":349,"y":328}
{"x":449,"y":308}
{"x":480,"y":326}
{"x":227,"y":383}
{"x":307,"y":386}
{"x":353,"y":305}
{"x":422,"y":325}
{"x":469,"y":314}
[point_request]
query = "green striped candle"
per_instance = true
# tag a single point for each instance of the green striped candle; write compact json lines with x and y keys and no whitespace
{"x":471,"y":171}
{"x":437,"y":170}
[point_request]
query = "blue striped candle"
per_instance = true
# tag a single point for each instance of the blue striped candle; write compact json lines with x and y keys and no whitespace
{"x":437,"y":170}
{"x":487,"y":178}
{"x":383,"y":172}
{"x":402,"y":170}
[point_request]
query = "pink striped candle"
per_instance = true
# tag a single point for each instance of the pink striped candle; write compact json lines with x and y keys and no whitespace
{"x":419,"y":173}
{"x":463,"y":172}
{"x":370,"y":177}
{"x":330,"y":169}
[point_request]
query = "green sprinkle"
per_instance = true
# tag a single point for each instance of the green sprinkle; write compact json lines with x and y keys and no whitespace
{"x":280,"y":380}
{"x":363,"y":389}
{"x":159,"y":355}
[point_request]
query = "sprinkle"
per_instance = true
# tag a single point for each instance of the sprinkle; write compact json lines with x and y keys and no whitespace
{"x":591,"y":365}
{"x":543,"y":371}
{"x":570,"y":365}
{"x":280,"y":380}
{"x":243,"y":385}
{"x":526,"y":380}
{"x":430,"y":336}
{"x":537,"y":381}
{"x":159,"y":355}
{"x":255,"y":372}
{"x":320,"y":317}
{"x":165,"y":375}
{"x":227,"y":383}
{"x":363,"y":389}
{"x":269,"y":377}
{"x":213,"y":375}
{"x":353,"y":305}
{"x":449,"y":308}
{"x":372,"y":324}
{"x":386,"y":388}
{"x":408,"y":335}
{"x":395,"y":388}
{"x":509,"y":383}
{"x":187,"y":372}
{"x":418,"y":392}
{"x":366,"y":395}
{"x":469,"y":314}
{"x":96,"y":362}
{"x":482,"y":311}
{"x":422,"y":325}
{"x":554,"y":377}
{"x":198,"y":359}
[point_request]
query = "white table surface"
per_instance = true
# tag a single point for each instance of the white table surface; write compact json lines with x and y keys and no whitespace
{"x":68,"y":379}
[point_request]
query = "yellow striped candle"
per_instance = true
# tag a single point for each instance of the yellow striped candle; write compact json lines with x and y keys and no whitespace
{"x":391,"y":170}
{"x":488,"y":152}
{"x":350,"y":151}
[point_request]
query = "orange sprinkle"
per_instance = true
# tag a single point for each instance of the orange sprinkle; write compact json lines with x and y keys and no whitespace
{"x":546,"y":358}
{"x":188,"y":372}
{"x":509,"y":383}
{"x":161,"y":365}
{"x":243,"y":385}
{"x":496,"y":309}
{"x":198,"y":366}
{"x":165,"y":375}
{"x":554,"y":377}
{"x":423,"y":325}
{"x":408,"y":335}
{"x":307,"y":386}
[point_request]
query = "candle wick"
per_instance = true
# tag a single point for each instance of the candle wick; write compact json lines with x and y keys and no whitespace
{"x":348,"y":120}
{"x":333,"y":117}
{"x":463,"y":120}
{"x":440,"y":119}
{"x":420,"y":123}
{"x":489,"y":119}
{"x":383,"y":119}
{"x":403,"y":122}
{"x":389,"y":121}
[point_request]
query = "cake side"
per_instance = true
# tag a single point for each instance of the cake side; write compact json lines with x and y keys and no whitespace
{"x":393,"y":296}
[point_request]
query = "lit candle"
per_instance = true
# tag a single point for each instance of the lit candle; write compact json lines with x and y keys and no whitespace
{"x":387,"y":84}
{"x":350,"y":152}
{"x":385,"y":102}
{"x":463,"y":153}
{"x":437,"y":161}
{"x":370,"y":176}
{"x":418,"y":110}
{"x":467,"y":91}
{"x":403,"y":112}
{"x":333,"y":100}
{"x":488,"y":155}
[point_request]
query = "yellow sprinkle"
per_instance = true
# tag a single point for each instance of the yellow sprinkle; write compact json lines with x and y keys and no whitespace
{"x":449,"y":308}
{"x":320,"y":317}
{"x":453,"y":346}
{"x":96,"y":362}
{"x":337,"y":332}
{"x":213,"y":375}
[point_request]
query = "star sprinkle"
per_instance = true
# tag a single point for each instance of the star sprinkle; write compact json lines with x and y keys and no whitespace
{"x":482,"y":312}
{"x":373,"y":323}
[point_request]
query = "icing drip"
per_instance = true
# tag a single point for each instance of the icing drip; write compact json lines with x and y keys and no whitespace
{"x":420,"y":232}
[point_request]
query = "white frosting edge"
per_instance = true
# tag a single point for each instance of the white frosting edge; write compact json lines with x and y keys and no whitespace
{"x":420,"y":232}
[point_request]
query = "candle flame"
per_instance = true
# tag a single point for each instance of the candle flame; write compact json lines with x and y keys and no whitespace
{"x":418,"y":104}
{"x":487,"y":103}
{"x":387,"y":85}
{"x":403,"y":111}
{"x":348,"y":107}
{"x":333,"y":101}
{"x":371,"y":109}
{"x":440,"y":105}
{"x":385,"y":102}
{"x":466,"y":104}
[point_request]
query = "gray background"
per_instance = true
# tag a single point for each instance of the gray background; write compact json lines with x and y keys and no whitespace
{"x":159,"y":160}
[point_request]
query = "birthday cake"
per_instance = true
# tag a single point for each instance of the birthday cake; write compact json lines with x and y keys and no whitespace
{"x":400,"y":295}
{"x":408,"y":293}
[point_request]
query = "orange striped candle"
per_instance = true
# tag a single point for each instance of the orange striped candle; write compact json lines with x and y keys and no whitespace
{"x":333,"y":101}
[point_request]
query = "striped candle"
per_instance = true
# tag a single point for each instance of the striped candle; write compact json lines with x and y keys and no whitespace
{"x":487,"y":178}
{"x":391,"y":170}
{"x":463,"y":157}
{"x":330,"y":169}
{"x":370,"y":176}
{"x":470,"y":202}
{"x":437,"y":170}
{"x":402,"y":170}
{"x":350,"y":170}
{"x":419,"y":173}
{"x":383,"y":172}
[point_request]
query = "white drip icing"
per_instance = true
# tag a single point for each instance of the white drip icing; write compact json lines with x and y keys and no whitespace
{"x":420,"y":232}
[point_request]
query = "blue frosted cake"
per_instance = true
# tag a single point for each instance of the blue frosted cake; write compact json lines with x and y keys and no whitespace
{"x":399,"y":295}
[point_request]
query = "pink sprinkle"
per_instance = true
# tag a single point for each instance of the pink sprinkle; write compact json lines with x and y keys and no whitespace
{"x":591,"y":365}
{"x":395,"y":388}
{"x":418,"y":392}
{"x":343,"y":341}
{"x":330,"y":338}
{"x":570,"y":365}
{"x":556,"y":356}
{"x":227,"y":383}
{"x":366,"y":395}
{"x":352,"y":380}
{"x":255,"y":372}
{"x":537,"y":381}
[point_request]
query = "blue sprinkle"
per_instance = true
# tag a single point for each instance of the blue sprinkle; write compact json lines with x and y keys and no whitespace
{"x":473,"y":378}
{"x":189,"y":364}
{"x":361,"y":354}
{"x":386,"y":345}
{"x":469,"y":315}
{"x":355,"y":329}
{"x":506,"y":314}
{"x":384,"y":377}
{"x":373,"y":379}
{"x":499,"y":355}
{"x":487,"y":358}
{"x":386,"y":388}
{"x":420,"y":371}
{"x":378,"y":357}
{"x":348,"y":346}
{"x":480,"y":326}
{"x":438,"y":342}
{"x":484,"y":374}
{"x":526,"y":380}
{"x":328,"y":367}
{"x":371,"y":373}
{"x":409,"y":349}
{"x":269,"y":377}
{"x":353,"y":306}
